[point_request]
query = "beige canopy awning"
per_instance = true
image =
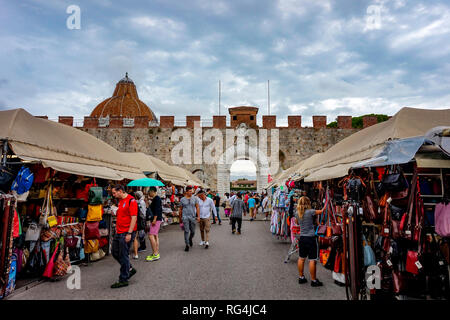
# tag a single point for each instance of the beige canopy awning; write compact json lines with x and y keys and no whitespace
{"x":369,"y":142}
{"x":62,"y":147}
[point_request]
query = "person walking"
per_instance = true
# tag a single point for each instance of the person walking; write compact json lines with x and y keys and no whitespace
{"x":227,"y":205}
{"x":216,"y":200}
{"x":307,"y":245}
{"x":139,"y":240}
{"x":237,"y":209}
{"x":252,"y":207}
{"x":265,"y":206}
{"x":189,"y":213}
{"x":155,"y":224}
{"x":206,"y":206}
{"x":126,"y":218}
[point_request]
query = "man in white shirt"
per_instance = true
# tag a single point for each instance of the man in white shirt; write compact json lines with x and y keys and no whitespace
{"x":206,"y":206}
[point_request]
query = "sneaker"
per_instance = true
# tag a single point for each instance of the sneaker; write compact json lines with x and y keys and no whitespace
{"x":302,"y":280}
{"x":233,"y":231}
{"x":135,"y":257}
{"x":316,"y":283}
{"x":206,"y":245}
{"x":119,"y":284}
{"x":142,"y":250}
{"x":201,"y":243}
{"x":265,"y":219}
{"x":238,"y":232}
{"x":153,"y":258}
{"x":220,"y":223}
{"x":186,"y":249}
{"x":213,"y":222}
{"x":132,"y":272}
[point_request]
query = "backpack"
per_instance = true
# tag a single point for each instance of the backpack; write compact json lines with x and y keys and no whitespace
{"x":23,"y":181}
{"x":140,"y":218}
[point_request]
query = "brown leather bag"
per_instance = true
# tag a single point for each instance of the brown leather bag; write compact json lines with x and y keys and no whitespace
{"x":407,"y":230}
{"x":399,"y":281}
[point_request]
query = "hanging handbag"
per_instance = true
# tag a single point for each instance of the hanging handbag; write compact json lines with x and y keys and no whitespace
{"x":442,"y":219}
{"x":413,"y":263}
{"x":91,"y":231}
{"x":399,"y":281}
{"x":33,"y":232}
{"x":369,"y":255}
{"x":6,"y":176}
{"x":49,"y":269}
{"x":394,"y":181}
{"x":95,"y":195}
{"x":103,"y":232}
{"x":407,"y":218}
{"x":91,"y":246}
{"x":95,"y":213}
{"x":385,"y":230}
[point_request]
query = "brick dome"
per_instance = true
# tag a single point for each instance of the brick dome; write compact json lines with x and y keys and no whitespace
{"x":123,"y":103}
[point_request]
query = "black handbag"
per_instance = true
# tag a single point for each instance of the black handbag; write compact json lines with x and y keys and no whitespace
{"x":6,"y":176}
{"x":394,"y":182}
{"x":397,"y":212}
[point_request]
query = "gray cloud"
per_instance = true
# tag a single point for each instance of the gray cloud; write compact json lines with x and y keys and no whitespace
{"x":320,"y":57}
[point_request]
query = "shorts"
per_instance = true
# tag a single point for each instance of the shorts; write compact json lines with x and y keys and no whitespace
{"x":154,"y":229}
{"x":308,"y":248}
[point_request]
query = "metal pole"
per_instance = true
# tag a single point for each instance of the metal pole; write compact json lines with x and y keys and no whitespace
{"x":4,"y":151}
{"x":268,"y":96}
{"x":219,"y":95}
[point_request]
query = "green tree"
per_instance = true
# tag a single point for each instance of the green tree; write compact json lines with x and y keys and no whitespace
{"x":357,"y":122}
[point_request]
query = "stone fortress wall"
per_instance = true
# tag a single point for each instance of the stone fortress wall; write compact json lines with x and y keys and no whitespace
{"x":296,"y":142}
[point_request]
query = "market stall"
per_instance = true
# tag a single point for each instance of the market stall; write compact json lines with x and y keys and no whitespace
{"x":59,"y":177}
{"x":387,"y":186}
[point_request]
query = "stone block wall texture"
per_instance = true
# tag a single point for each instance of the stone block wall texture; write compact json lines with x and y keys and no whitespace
{"x":141,"y":122}
{"x":344,"y":122}
{"x":369,"y":121}
{"x":219,"y":122}
{"x":190,"y":121}
{"x":295,"y":122}
{"x":66,"y":120}
{"x":269,"y":122}
{"x":319,"y":122}
{"x":166,"y":121}
{"x":295,"y":144}
{"x":90,"y":122}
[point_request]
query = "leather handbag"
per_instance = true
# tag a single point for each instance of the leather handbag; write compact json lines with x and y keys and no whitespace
{"x":33,"y":232}
{"x":396,"y":213}
{"x":49,"y":268}
{"x":103,"y":232}
{"x":407,"y":229}
{"x":399,"y":282}
{"x":442,"y":219}
{"x":96,"y":195}
{"x":395,"y":229}
{"x":369,"y":255}
{"x":394,"y":181}
{"x":91,"y":246}
{"x":95,"y":213}
{"x":412,"y":262}
{"x":91,"y":231}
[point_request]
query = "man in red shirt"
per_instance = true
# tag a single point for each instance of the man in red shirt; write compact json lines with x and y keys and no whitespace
{"x":126,"y":227}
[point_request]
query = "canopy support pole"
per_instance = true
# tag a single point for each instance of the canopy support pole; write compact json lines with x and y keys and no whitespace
{"x":4,"y":151}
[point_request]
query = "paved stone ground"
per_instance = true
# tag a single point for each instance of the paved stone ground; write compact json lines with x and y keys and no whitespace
{"x":247,"y":266}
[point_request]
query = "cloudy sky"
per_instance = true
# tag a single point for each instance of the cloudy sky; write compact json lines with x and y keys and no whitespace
{"x":322,"y":57}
